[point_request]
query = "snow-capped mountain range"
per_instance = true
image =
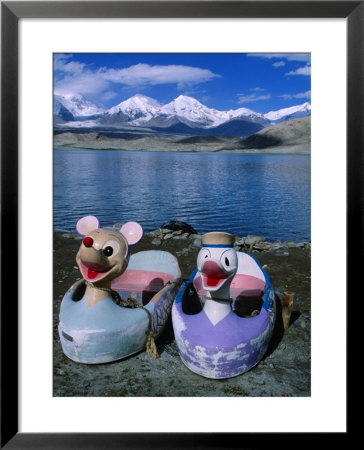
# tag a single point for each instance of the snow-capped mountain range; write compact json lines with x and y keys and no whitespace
{"x":78,"y":106}
{"x":143,"y":111}
{"x":181,"y":114}
{"x":294,"y":112}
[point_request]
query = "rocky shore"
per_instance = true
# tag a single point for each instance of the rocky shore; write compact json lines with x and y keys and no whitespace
{"x":285,"y":371}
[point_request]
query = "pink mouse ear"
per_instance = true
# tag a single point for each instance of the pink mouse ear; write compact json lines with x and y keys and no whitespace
{"x":87,"y":224}
{"x":132,"y":232}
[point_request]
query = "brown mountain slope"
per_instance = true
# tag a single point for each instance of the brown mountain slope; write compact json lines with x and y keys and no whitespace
{"x":292,"y":132}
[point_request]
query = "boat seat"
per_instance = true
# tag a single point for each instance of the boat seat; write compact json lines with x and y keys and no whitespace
{"x":141,"y":280}
{"x":148,"y":271}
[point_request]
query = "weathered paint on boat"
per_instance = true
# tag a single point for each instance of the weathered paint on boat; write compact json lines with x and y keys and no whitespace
{"x":234,"y":344}
{"x":106,"y":331}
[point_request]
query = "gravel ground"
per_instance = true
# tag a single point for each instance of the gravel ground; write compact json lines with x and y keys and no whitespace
{"x":285,"y":371}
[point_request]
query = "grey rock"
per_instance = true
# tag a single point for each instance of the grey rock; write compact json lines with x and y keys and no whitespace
{"x":60,"y":231}
{"x":301,"y":244}
{"x":197,"y":243}
{"x":276,"y":246}
{"x":240,"y":241}
{"x":262,"y":246}
{"x":252,"y":239}
{"x":291,"y":245}
{"x":154,"y":233}
{"x":168,"y":236}
{"x":67,"y":235}
{"x":156,"y":241}
{"x":195,"y":236}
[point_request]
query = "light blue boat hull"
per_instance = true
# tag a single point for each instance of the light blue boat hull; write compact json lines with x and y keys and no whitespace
{"x":108,"y":332}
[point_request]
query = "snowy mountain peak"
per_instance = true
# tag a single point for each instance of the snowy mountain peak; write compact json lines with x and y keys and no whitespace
{"x":292,"y":112}
{"x":136,"y":108}
{"x":192,"y":110}
{"x":185,"y":99}
{"x":141,"y":99}
{"x":78,"y":105}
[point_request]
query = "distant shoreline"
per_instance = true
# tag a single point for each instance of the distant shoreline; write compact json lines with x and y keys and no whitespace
{"x":167,"y":146}
{"x":280,"y":150}
{"x":275,"y":151}
{"x":292,"y":137}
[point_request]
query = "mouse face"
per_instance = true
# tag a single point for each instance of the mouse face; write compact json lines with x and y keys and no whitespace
{"x":104,"y":254}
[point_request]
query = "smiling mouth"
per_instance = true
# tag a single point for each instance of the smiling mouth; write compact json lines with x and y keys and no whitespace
{"x":94,"y":271}
{"x":211,"y":281}
{"x":212,"y":275}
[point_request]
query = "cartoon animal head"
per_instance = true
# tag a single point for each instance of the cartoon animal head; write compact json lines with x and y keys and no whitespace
{"x":104,"y":254}
{"x":217,"y":260}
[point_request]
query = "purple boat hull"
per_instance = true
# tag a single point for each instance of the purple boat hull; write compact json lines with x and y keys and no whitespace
{"x":228,"y":348}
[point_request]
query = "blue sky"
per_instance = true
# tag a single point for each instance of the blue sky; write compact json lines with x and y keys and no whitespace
{"x":261,"y":82}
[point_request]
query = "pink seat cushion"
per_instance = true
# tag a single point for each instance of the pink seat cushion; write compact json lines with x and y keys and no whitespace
{"x":141,"y":280}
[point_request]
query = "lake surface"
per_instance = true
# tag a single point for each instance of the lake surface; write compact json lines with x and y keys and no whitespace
{"x":242,"y":194}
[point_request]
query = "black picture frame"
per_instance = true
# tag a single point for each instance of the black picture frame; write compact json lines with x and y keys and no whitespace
{"x":11,"y":13}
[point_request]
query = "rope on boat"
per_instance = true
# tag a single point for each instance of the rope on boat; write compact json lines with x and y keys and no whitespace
{"x":150,"y":346}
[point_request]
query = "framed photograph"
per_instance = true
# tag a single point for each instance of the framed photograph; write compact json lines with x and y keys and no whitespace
{"x":86,"y":83}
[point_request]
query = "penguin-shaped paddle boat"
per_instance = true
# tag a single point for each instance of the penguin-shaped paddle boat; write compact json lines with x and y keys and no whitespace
{"x":223,"y":316}
{"x":123,"y":302}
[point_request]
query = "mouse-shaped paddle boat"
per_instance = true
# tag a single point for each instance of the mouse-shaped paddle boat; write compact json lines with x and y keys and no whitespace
{"x":123,"y":302}
{"x":223,"y":316}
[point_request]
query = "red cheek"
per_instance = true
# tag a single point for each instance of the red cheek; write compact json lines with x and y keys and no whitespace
{"x":88,"y":242}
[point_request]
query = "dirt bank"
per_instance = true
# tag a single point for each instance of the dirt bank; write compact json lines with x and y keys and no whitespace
{"x":284,"y":371}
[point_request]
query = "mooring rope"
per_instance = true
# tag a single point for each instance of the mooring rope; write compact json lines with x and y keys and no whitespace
{"x":150,"y":346}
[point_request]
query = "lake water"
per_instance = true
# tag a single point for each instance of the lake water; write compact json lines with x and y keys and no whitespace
{"x":242,"y":194}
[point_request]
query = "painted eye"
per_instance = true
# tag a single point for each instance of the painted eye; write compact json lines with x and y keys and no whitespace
{"x":110,"y":248}
{"x":229,"y":260}
{"x":202,"y":255}
{"x":108,"y":251}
